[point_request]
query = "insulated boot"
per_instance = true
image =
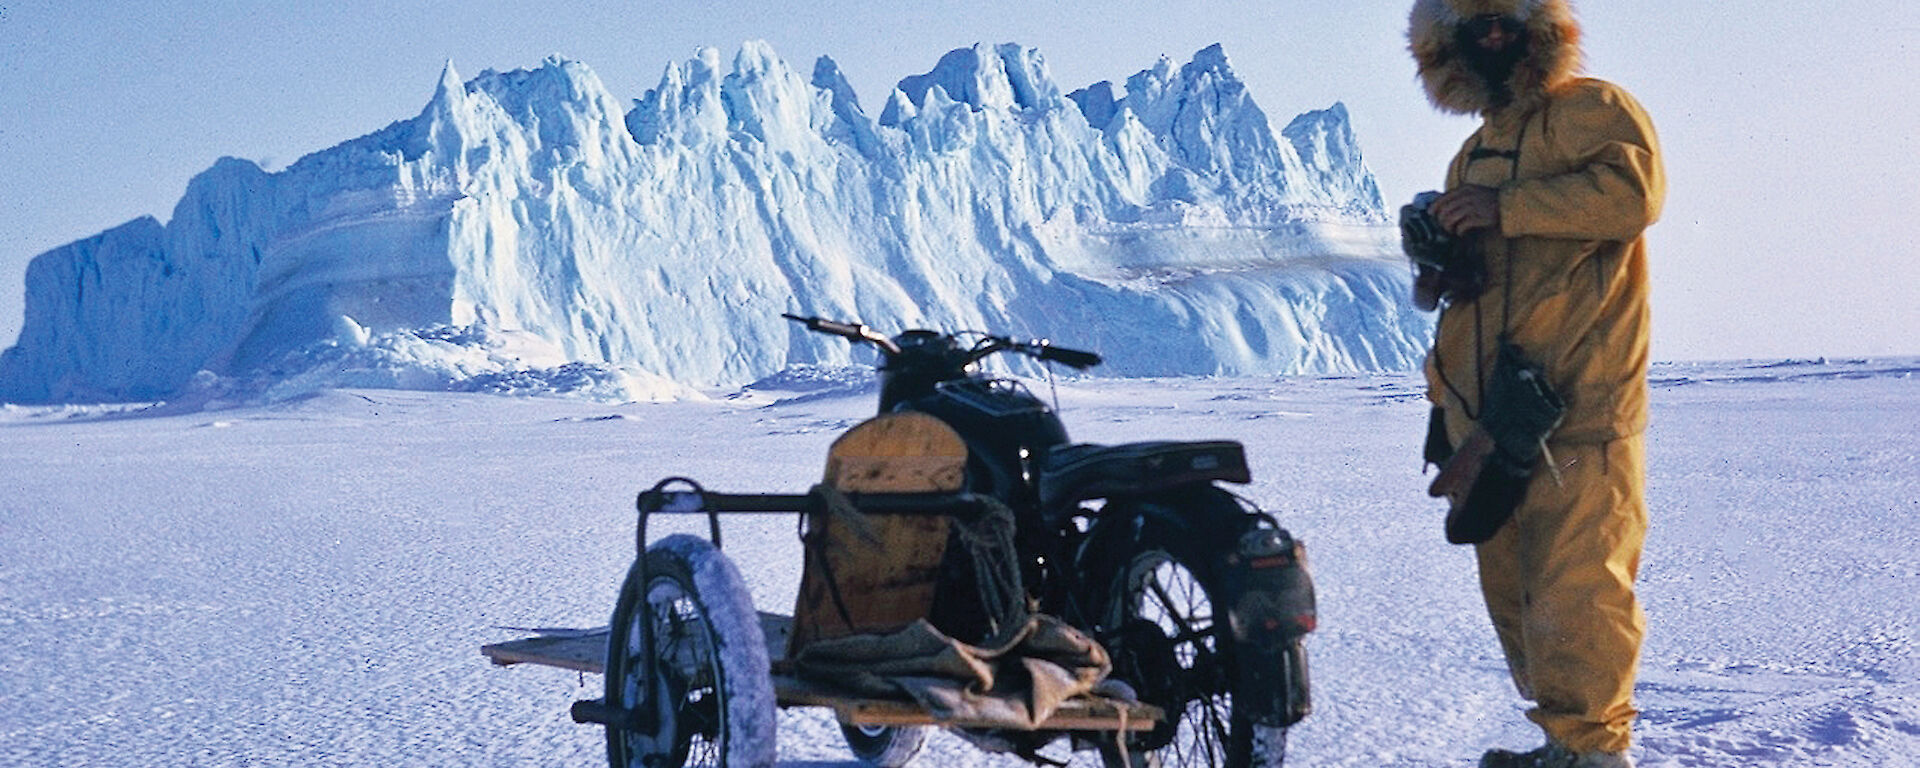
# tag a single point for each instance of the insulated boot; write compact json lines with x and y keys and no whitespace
{"x":1554,"y":756}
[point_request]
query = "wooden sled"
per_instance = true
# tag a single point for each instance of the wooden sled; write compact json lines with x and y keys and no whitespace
{"x":693,"y":671}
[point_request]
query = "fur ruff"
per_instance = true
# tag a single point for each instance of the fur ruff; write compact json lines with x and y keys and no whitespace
{"x":1552,"y":59}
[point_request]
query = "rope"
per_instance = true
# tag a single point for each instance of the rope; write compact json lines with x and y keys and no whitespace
{"x":834,"y":505}
{"x":988,"y":539}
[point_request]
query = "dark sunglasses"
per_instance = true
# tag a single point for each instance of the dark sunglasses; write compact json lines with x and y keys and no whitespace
{"x":1478,"y":26}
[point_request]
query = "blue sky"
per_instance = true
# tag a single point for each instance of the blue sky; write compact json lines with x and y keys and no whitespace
{"x":1792,"y":132}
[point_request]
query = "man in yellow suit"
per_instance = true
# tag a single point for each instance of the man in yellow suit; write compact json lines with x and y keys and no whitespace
{"x":1552,"y":196}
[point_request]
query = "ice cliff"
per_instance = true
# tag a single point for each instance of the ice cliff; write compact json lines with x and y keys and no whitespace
{"x":1162,"y":222}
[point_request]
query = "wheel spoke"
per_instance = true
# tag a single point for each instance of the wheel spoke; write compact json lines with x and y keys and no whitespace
{"x":1184,"y":663}
{"x":669,"y":662}
{"x":1218,"y":732}
{"x":687,"y":661}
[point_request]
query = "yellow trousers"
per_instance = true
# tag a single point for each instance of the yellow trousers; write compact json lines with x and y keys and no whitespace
{"x":1558,"y":581}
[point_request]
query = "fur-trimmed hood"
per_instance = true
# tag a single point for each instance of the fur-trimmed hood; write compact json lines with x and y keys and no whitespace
{"x":1552,"y":56}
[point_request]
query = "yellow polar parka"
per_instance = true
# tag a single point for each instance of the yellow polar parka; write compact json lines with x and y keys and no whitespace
{"x":1579,"y":177}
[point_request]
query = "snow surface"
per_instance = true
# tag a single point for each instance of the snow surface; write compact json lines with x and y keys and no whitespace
{"x":308,"y":581}
{"x":1166,"y":221}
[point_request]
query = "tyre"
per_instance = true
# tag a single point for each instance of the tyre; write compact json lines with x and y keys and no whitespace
{"x":883,"y":746}
{"x":707,"y":678}
{"x":1168,"y":641}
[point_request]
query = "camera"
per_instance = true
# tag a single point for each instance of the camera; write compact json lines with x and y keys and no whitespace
{"x":1421,"y":236}
{"x":1445,"y":267}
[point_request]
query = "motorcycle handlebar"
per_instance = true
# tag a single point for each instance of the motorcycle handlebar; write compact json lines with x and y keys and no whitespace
{"x":1072,"y":358}
{"x":852,"y":331}
{"x":1040,"y":348}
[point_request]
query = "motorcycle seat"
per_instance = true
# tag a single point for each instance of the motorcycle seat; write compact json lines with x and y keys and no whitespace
{"x":1074,"y":473}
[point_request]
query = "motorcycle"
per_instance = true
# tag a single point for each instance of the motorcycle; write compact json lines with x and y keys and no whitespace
{"x":1200,"y":598}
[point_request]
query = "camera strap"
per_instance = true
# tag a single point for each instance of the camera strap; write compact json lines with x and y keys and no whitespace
{"x":1542,"y":395}
{"x":1506,"y":291}
{"x":1481,"y":152}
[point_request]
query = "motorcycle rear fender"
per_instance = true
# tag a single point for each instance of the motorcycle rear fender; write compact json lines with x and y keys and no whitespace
{"x":1074,"y":473}
{"x":1197,"y":523}
{"x":1253,"y":568}
{"x":1259,"y":572}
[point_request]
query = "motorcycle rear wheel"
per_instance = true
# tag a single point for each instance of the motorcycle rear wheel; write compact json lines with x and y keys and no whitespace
{"x":1172,"y":645}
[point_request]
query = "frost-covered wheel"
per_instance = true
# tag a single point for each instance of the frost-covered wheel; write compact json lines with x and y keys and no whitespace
{"x":885,"y":746}
{"x":707,"y":680}
{"x":1177,"y":656}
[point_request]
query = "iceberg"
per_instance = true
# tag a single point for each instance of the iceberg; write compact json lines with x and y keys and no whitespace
{"x":1162,"y":222}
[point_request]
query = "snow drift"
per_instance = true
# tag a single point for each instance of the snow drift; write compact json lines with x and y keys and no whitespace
{"x":1163,"y":222}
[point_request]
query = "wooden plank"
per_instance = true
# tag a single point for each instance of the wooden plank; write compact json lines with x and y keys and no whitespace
{"x":876,"y":572}
{"x":1086,"y":713}
{"x":585,"y":651}
{"x":898,"y":453}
